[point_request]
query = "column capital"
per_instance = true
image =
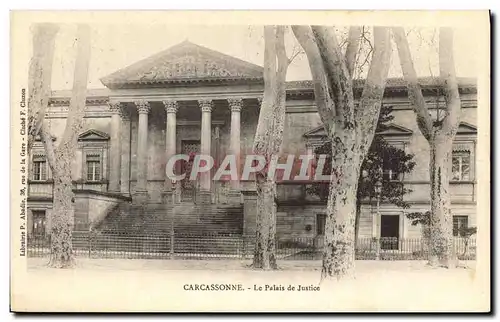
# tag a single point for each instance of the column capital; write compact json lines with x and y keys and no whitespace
{"x":143,"y":106}
{"x":114,"y":107}
{"x":205,"y":105}
{"x":171,"y":106}
{"x":260,"y":99}
{"x":235,"y":104}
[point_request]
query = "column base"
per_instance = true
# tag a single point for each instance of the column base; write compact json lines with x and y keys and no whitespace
{"x":204,"y":197}
{"x":140,"y":197}
{"x":168,"y":197}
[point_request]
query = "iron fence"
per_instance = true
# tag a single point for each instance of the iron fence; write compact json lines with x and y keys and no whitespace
{"x":226,"y":246}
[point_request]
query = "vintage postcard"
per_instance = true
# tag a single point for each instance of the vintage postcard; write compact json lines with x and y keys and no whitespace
{"x":238,"y":161}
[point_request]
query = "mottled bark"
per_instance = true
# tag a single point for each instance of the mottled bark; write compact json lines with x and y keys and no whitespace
{"x":339,"y":246}
{"x":350,"y":128}
{"x":40,"y":75}
{"x":267,"y":143}
{"x":441,"y":220}
{"x":439,"y":135}
{"x":62,"y":220}
{"x":60,"y":158}
{"x":265,"y":239}
{"x":324,"y":103}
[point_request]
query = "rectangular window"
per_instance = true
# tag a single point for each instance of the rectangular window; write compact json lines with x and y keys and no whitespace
{"x":320,"y":224}
{"x":460,"y":168}
{"x":38,"y":227}
{"x":459,"y":222}
{"x":93,"y":168}
{"x":390,"y":175}
{"x":39,"y":168}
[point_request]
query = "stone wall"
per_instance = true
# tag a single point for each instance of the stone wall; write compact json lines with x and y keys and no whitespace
{"x":91,"y":207}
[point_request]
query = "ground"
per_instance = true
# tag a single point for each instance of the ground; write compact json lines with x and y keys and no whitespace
{"x":159,"y":285}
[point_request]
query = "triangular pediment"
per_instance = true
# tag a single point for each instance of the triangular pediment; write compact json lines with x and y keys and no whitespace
{"x":184,"y":61}
{"x":466,"y":128}
{"x":316,"y":132}
{"x":93,"y":135}
{"x":392,"y":129}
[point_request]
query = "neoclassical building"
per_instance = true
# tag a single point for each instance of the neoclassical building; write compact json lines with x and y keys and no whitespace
{"x":190,"y":99}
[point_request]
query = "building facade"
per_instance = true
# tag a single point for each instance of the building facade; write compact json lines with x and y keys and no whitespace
{"x":190,"y":99}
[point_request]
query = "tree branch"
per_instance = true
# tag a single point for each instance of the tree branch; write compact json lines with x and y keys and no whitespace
{"x":297,"y":50}
{"x":77,"y":103}
{"x":324,"y":102}
{"x":364,"y":39}
{"x":368,"y":110}
{"x":353,"y":41}
{"x":337,"y":73}
{"x":265,"y":116}
{"x":280,"y":99}
{"x":283,"y":60}
{"x":417,"y":100}
{"x":40,"y":74}
{"x":447,"y":73}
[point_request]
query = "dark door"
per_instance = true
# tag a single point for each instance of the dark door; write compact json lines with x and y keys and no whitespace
{"x":191,"y":148}
{"x":389,"y":231}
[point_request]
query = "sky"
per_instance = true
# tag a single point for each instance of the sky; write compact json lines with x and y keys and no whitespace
{"x":119,"y":45}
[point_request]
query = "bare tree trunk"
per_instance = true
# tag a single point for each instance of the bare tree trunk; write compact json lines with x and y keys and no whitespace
{"x":268,"y":140}
{"x":439,"y":134}
{"x":339,"y":247}
{"x":265,"y":239}
{"x":441,"y":221}
{"x":40,"y":75}
{"x":351,"y":129}
{"x":61,"y":250}
{"x":62,"y":220}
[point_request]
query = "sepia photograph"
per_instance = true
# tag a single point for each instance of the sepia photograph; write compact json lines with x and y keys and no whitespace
{"x":250,"y":161}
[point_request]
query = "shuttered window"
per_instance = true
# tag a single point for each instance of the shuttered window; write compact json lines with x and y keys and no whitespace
{"x":460,"y":165}
{"x":93,"y":167}
{"x":39,"y":168}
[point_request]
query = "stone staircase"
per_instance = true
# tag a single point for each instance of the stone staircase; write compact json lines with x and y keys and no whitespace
{"x":185,"y":219}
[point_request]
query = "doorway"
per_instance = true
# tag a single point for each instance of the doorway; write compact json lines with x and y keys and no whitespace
{"x":389,"y":232}
{"x":191,"y":148}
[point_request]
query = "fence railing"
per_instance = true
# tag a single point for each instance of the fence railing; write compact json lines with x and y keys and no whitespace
{"x":217,"y":246}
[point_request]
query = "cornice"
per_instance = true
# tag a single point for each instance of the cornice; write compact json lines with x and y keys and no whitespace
{"x":210,"y":81}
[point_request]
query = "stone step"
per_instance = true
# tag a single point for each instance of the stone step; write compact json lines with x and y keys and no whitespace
{"x":188,"y":218}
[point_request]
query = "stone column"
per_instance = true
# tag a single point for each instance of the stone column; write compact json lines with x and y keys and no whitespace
{"x":206,"y":146}
{"x":143,"y":109}
{"x":115,"y":148}
{"x":125,"y":152}
{"x":235,"y":104}
{"x":171,"y":108}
